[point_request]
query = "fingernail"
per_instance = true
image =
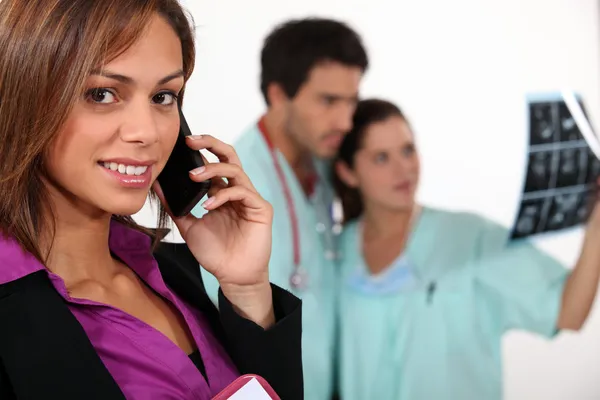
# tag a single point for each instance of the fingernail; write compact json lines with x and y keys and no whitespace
{"x":196,"y":137}
{"x":208,"y":202}
{"x":198,"y":171}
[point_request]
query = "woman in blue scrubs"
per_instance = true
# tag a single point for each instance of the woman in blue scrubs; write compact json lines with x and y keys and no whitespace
{"x":427,"y":294}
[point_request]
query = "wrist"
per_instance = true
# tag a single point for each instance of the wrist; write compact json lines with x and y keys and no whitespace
{"x":253,"y":302}
{"x":591,"y":240}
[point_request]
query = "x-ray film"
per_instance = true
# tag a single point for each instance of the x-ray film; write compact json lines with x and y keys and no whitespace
{"x":562,"y":168}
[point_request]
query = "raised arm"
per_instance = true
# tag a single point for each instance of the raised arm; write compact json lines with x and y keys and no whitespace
{"x":582,"y":285}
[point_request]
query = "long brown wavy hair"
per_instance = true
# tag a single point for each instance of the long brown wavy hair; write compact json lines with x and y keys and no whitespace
{"x":48,"y":48}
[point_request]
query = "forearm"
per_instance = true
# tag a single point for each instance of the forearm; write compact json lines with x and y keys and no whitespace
{"x":254,"y":303}
{"x":580,"y":289}
{"x":275,"y":353}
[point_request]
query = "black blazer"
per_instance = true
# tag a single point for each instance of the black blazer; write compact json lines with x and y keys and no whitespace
{"x":46,"y":354}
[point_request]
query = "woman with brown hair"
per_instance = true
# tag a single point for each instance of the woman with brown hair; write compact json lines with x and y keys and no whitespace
{"x":90,"y":307}
{"x":426,"y":295}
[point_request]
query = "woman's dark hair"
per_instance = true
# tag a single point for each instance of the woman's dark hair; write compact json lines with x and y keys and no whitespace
{"x":368,"y":112}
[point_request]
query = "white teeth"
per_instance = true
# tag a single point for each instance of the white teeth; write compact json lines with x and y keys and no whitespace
{"x":125,"y":169}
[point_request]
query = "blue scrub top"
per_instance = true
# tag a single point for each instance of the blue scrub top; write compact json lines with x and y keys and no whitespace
{"x":315,"y":243}
{"x":430,"y":326}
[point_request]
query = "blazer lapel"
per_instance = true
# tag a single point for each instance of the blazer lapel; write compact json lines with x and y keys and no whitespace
{"x":181,"y":272}
{"x":44,"y":349}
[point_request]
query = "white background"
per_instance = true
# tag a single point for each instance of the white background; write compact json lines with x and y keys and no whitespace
{"x":460,"y":70}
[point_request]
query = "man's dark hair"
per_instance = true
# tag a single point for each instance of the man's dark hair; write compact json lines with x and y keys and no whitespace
{"x":295,"y":47}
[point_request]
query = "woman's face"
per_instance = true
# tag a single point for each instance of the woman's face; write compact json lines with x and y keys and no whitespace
{"x":386,"y":167}
{"x":120,"y":133}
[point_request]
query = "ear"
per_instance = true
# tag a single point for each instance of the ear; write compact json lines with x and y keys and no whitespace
{"x":345,"y":174}
{"x":276,"y":95}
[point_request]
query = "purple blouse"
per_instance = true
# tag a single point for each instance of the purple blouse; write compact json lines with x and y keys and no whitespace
{"x":144,"y":363}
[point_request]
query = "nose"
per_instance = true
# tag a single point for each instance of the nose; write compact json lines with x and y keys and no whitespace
{"x":139,"y":125}
{"x":401,"y":164}
{"x":343,"y":117}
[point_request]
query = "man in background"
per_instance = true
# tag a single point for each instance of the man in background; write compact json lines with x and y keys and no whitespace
{"x":311,"y":71}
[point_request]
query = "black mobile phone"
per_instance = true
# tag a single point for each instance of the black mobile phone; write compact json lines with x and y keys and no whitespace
{"x":180,"y":191}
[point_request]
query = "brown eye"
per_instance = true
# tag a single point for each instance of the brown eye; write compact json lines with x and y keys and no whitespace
{"x":165,"y":98}
{"x":101,"y":96}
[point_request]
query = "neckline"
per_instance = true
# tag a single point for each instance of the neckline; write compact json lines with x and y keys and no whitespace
{"x":414,"y":225}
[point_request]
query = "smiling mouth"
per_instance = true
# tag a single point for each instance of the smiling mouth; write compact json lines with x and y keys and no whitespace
{"x":123,"y":169}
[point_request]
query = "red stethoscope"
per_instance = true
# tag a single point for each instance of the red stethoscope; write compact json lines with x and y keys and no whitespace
{"x":299,"y":277}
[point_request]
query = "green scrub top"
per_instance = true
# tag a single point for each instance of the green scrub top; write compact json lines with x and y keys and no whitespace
{"x":316,"y":247}
{"x":436,"y":335}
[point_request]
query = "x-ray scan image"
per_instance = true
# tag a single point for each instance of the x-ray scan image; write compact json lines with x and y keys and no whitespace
{"x":568,"y":127}
{"x":593,"y":167}
{"x":528,"y":220}
{"x":585,"y":206}
{"x":562,"y":170}
{"x":571,"y":167}
{"x":539,"y":171}
{"x":562,"y":211}
{"x":542,"y":126}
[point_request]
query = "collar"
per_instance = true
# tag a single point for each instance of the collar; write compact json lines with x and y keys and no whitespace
{"x":126,"y":242}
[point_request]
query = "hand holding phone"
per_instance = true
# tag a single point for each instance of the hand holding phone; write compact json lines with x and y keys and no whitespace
{"x":232,"y":240}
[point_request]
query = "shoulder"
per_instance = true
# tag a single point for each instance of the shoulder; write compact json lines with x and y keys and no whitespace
{"x":489,"y":240}
{"x":458,"y":234}
{"x":349,"y":234}
{"x":256,"y":161}
{"x":463,"y":217}
{"x":15,"y":262}
{"x":487,"y":235}
{"x":251,"y":146}
{"x":349,"y":245}
{"x":463,"y":222}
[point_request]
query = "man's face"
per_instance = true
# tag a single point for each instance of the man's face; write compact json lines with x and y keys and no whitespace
{"x":320,"y":114}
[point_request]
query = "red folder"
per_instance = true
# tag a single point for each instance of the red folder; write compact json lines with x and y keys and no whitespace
{"x":240,"y":384}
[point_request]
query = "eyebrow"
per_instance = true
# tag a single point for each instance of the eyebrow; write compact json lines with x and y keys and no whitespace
{"x":338,"y":97}
{"x":128,"y":80}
